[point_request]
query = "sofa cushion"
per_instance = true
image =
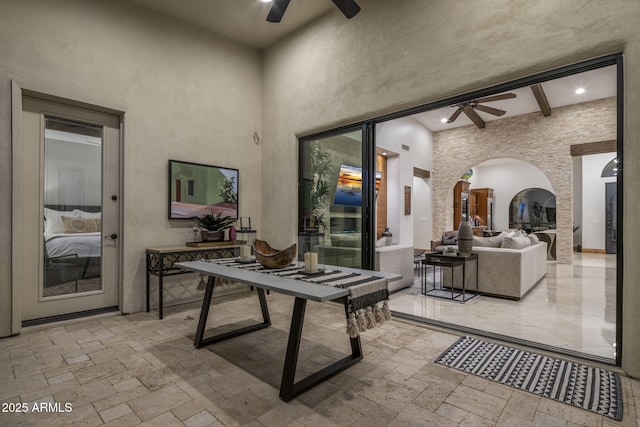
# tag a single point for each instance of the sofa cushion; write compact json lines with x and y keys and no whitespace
{"x":533,"y":238}
{"x":449,"y":239}
{"x":488,"y":242}
{"x":517,"y":242}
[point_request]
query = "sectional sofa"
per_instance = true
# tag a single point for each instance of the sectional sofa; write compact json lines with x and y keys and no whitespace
{"x":508,"y":265}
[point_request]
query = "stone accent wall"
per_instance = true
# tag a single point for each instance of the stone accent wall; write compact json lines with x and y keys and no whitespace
{"x":542,"y":141}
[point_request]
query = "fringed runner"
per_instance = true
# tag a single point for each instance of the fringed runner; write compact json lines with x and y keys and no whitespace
{"x":368,"y":305}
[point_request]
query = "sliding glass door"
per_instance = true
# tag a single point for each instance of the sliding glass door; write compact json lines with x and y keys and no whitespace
{"x":333,"y":197}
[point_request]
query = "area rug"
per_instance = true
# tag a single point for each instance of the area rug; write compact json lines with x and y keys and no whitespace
{"x":593,"y":389}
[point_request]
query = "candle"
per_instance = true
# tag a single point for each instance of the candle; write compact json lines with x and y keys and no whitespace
{"x":314,"y":262}
{"x":307,"y":261}
{"x":245,"y":253}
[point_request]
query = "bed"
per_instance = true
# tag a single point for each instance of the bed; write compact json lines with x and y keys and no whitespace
{"x":72,"y":243}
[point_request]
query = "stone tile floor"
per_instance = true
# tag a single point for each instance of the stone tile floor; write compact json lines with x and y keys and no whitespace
{"x":138,"y":370}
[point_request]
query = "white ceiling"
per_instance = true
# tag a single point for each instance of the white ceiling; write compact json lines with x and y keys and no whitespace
{"x":598,"y":84}
{"x":241,"y":20}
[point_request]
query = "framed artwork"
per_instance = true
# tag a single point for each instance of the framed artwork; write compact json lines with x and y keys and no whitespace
{"x":407,"y":200}
{"x":197,"y":190}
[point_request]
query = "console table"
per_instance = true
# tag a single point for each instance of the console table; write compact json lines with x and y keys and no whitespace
{"x":302,"y":291}
{"x":161,"y":263}
{"x":441,"y":260}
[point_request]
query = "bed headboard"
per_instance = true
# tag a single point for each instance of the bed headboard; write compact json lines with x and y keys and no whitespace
{"x":67,"y":208}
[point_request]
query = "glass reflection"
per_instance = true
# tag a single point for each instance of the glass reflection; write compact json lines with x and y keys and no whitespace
{"x":72,"y":207}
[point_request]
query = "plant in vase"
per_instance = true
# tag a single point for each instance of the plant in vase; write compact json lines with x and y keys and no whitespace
{"x":213,"y":225}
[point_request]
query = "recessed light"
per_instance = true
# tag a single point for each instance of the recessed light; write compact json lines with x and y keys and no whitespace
{"x":384,"y":153}
{"x":580,"y":91}
{"x":444,"y":120}
{"x":266,"y":1}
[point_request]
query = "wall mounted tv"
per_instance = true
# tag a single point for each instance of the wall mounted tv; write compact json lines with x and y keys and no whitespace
{"x":197,"y":190}
{"x":349,"y":187}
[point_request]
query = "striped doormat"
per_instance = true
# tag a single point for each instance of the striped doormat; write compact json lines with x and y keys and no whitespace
{"x":593,"y":389}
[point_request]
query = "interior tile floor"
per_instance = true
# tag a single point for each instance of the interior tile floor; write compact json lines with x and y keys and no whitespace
{"x":138,"y":370}
{"x":573,"y":307}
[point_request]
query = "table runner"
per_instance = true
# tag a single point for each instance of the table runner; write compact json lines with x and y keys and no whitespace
{"x":368,"y":302}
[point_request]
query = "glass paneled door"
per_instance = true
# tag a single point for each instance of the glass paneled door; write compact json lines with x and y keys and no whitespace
{"x":70,"y":211}
{"x":334,"y":194}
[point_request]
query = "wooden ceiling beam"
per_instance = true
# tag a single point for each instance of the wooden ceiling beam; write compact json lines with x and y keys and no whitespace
{"x":541,"y":98}
{"x":594,"y":148}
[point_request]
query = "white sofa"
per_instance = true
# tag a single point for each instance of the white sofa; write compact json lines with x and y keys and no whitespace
{"x":503,"y":271}
{"x":396,"y":259}
{"x":510,"y":273}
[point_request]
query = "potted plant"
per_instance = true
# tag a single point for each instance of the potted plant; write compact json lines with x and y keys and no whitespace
{"x":214,"y":226}
{"x":320,"y":167}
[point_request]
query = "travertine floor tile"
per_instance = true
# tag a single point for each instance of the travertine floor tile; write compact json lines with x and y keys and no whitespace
{"x":138,"y":370}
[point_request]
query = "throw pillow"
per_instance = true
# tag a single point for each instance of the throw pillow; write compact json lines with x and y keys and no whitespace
{"x":449,"y":239}
{"x":53,"y":220}
{"x":517,"y":242}
{"x":533,"y":238}
{"x":80,"y":225}
{"x":85,"y":214}
{"x":488,"y":242}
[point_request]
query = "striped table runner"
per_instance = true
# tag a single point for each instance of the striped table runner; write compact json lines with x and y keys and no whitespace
{"x":369,"y":295}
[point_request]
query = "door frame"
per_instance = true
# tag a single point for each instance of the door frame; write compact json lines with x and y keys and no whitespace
{"x":368,"y":161}
{"x":17,"y":92}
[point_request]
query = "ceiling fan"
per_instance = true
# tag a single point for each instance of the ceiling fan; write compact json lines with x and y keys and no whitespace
{"x":348,"y":7}
{"x":469,"y":107}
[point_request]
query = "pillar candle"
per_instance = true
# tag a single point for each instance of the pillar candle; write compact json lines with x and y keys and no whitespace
{"x":307,"y":261}
{"x":245,"y":253}
{"x":314,"y":262}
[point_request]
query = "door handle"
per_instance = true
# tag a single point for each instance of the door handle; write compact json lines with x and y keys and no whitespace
{"x":112,"y":236}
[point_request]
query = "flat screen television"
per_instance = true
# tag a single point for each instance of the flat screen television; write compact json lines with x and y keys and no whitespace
{"x":197,"y":190}
{"x":349,"y":186}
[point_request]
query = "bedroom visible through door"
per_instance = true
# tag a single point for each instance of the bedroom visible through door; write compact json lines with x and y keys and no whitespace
{"x":70,"y":186}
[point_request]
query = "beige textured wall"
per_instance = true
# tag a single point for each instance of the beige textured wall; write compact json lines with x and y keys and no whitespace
{"x":542,"y":141}
{"x":400,"y":54}
{"x":186,"y":95}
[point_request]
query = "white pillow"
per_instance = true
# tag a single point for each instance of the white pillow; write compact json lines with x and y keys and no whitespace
{"x":88,"y":215}
{"x":53,"y":220}
{"x":517,"y":242}
{"x":533,"y":238}
{"x":488,"y":242}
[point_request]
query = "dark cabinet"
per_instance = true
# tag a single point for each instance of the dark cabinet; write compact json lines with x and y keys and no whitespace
{"x":481,"y":202}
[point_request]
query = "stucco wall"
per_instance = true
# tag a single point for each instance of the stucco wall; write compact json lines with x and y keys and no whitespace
{"x":186,"y":95}
{"x":400,"y":54}
{"x":542,"y":141}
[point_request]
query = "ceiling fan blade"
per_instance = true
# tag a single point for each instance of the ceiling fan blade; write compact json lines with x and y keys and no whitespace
{"x":455,"y":115}
{"x":475,"y":118}
{"x":490,"y":110}
{"x":277,"y":10}
{"x":497,"y":97}
{"x":348,"y":7}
